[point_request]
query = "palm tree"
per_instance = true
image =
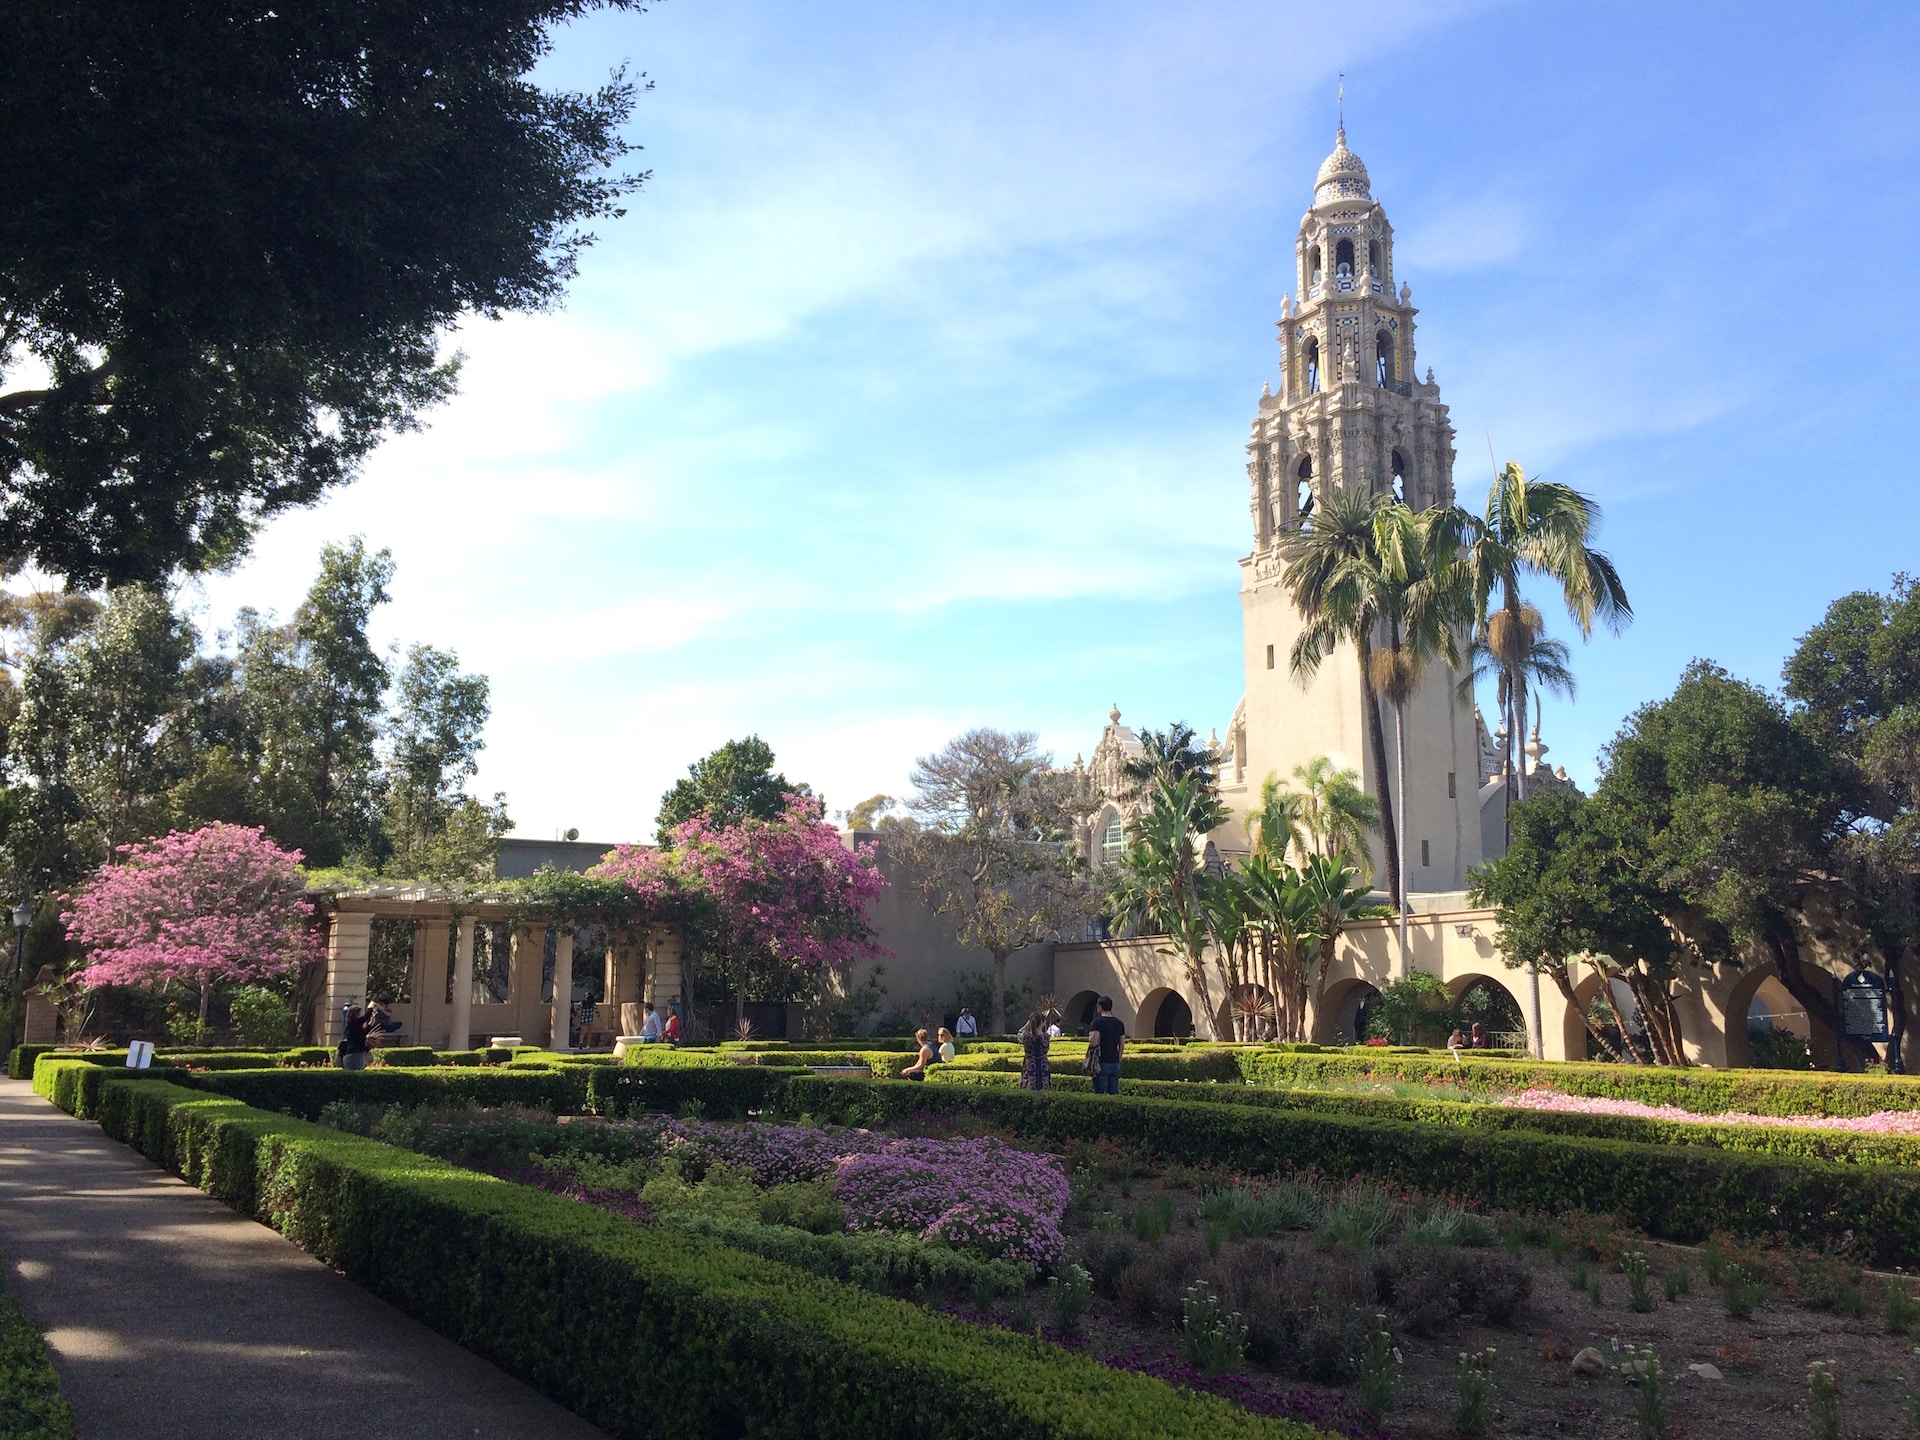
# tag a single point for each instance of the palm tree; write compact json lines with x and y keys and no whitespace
{"x":1414,"y":589}
{"x":1280,"y":822}
{"x":1329,"y":578}
{"x":1157,"y":884}
{"x":1284,"y":913}
{"x":1169,"y":755}
{"x":1539,"y":528}
{"x":1336,"y":812}
{"x":1543,"y":665}
{"x":1337,"y":896}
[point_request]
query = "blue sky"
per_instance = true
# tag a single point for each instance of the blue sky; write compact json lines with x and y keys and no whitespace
{"x":910,"y":394}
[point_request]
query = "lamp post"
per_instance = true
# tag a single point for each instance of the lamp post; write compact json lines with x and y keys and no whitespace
{"x":22,"y":914}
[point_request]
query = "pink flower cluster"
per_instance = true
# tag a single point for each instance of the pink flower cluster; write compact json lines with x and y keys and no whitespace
{"x":979,"y":1195}
{"x":215,"y":904}
{"x":788,"y":890}
{"x":1883,"y":1122}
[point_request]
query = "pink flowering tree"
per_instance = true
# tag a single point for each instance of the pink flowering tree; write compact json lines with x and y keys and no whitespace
{"x":217,"y":905}
{"x":763,"y":898}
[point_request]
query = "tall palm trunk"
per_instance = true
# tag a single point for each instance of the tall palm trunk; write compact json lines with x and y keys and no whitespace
{"x":1400,"y":745}
{"x":1517,"y":773}
{"x":1377,"y":742}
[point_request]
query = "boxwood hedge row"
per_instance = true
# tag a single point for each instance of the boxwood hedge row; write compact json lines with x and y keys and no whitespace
{"x":1706,"y":1092}
{"x":594,"y":1310}
{"x":1682,"y":1193}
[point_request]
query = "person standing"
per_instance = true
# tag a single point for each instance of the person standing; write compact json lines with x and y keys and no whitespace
{"x":671,"y":1032}
{"x":650,"y":1031}
{"x":1112,"y":1036}
{"x":966,"y":1027}
{"x":1036,"y":1068}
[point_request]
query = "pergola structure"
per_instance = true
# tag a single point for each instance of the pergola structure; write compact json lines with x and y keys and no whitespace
{"x":444,"y":1003}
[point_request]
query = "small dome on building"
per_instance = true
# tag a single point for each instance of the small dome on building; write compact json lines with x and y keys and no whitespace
{"x":1343,"y":174}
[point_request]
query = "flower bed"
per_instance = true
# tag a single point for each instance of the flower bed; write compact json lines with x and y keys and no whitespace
{"x":1880,"y":1122}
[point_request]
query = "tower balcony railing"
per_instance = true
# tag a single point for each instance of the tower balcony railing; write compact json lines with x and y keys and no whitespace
{"x":1398,"y":387}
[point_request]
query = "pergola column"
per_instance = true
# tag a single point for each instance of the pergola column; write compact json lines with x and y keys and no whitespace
{"x":349,"y":938}
{"x":561,"y":1033}
{"x":459,"y":1035}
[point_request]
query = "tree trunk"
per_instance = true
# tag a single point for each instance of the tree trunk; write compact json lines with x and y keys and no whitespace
{"x":1519,"y":688}
{"x":206,"y":995}
{"x":1785,"y":946}
{"x":1377,"y":742}
{"x":998,"y":1008}
{"x":1896,"y":1011}
{"x":1564,"y":984}
{"x":1400,"y":746}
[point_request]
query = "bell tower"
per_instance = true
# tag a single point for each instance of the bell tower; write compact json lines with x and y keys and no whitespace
{"x":1349,"y":412}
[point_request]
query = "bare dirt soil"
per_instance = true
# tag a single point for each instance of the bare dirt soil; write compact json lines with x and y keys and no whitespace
{"x":1762,"y":1360}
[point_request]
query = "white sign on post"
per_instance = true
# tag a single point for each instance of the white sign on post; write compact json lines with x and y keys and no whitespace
{"x":139,"y":1054}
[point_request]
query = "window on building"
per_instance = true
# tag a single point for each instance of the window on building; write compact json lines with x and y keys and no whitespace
{"x":1425,"y":857}
{"x":1399,"y":477}
{"x":1343,"y":259}
{"x":1113,"y":838}
{"x":1310,"y":358}
{"x":1373,"y":256}
{"x":1303,"y":493}
{"x":1269,"y":657}
{"x":1313,"y":265}
{"x":1383,"y":356}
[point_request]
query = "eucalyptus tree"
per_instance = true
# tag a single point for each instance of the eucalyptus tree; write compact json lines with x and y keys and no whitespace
{"x":1156,"y":888}
{"x":990,"y":846}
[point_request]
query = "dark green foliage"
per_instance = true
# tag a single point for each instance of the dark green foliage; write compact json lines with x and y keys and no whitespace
{"x":1671,"y":1192}
{"x":736,"y":782}
{"x":30,"y":1403}
{"x":604,"y":1307}
{"x":249,"y":230}
{"x":805,"y":1206}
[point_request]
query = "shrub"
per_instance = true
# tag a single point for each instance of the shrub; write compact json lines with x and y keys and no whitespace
{"x":602,"y":1307}
{"x":805,"y":1205}
{"x":1213,"y":1339}
{"x":1672,"y":1192}
{"x":30,"y":1404}
{"x":406,"y":1055}
{"x":262,"y":1017}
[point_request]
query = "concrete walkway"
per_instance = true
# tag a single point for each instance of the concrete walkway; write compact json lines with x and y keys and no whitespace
{"x":172,"y":1318}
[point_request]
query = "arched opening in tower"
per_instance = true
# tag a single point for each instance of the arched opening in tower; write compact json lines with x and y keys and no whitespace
{"x":1311,"y":363}
{"x":1399,"y":477}
{"x":1303,"y":492}
{"x":1383,"y":356}
{"x":1343,"y":259}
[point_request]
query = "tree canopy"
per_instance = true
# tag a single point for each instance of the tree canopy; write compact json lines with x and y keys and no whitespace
{"x":232,"y":238}
{"x":735,"y":783}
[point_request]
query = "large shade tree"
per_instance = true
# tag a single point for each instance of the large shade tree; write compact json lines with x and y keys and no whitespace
{"x":990,"y":846}
{"x":736,"y":782}
{"x":232,"y":238}
{"x":201,"y":908}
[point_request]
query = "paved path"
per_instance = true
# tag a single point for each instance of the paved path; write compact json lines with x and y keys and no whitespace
{"x":172,"y":1318}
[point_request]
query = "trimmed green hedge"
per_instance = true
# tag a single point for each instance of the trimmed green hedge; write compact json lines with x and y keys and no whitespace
{"x":31,"y":1407}
{"x":1682,"y":1193}
{"x":593,"y":1310}
{"x":1788,"y":1142}
{"x":1706,"y":1092}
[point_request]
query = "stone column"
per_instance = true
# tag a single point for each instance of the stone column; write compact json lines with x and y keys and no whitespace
{"x":562,"y":1021}
{"x":664,"y":974}
{"x":349,"y":937}
{"x":459,"y":1032}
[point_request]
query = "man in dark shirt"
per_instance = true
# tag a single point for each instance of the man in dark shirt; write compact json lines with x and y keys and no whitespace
{"x":1111,"y":1034}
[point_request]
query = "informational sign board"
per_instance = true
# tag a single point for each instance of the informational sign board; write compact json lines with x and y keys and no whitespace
{"x":139,"y":1054}
{"x":1863,"y":1005}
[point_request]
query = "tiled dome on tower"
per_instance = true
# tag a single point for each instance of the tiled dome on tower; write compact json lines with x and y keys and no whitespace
{"x":1343,"y":175}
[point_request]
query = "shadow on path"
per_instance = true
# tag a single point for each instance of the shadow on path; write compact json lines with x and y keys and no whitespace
{"x":172,"y":1318}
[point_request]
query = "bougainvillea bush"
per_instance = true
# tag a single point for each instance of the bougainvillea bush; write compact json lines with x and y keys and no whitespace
{"x":217,"y":905}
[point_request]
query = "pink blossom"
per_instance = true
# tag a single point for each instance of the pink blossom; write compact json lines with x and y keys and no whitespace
{"x":220,"y":903}
{"x":1883,"y":1122}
